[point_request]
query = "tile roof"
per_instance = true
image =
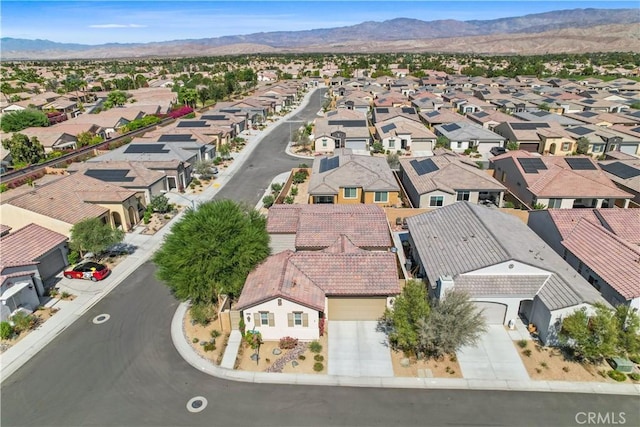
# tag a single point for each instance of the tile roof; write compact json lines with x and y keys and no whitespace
{"x":403,"y":126}
{"x":507,"y":285}
{"x":566,"y":219}
{"x":463,"y":237}
{"x":624,"y":223}
{"x":137,"y":175}
{"x":27,"y":244}
{"x":306,"y":277}
{"x":318,"y":226}
{"x":467,"y":131}
{"x":453,"y":174}
{"x":609,"y":256}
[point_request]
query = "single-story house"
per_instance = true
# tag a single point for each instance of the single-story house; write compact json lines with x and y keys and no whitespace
{"x":625,"y":173}
{"x":504,"y":266}
{"x":403,"y":134}
{"x":342,"y":129}
{"x":464,"y":135}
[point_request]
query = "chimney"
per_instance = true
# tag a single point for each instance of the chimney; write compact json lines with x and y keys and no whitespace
{"x":445,"y":284}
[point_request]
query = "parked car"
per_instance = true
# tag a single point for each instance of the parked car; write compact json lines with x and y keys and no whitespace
{"x":496,"y":151}
{"x":88,"y":270}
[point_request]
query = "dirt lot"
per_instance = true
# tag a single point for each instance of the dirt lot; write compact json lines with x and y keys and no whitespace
{"x":446,"y":368}
{"x":203,"y":335}
{"x":267,"y":359}
{"x":550,"y":364}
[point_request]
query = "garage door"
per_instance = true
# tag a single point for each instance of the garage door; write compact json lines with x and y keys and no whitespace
{"x":356,"y":145}
{"x":532,"y":148}
{"x":51,"y":264}
{"x":493,"y":312}
{"x":629,"y":149}
{"x":356,"y":308}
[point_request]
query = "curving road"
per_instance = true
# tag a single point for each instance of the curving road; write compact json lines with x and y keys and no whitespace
{"x":126,"y":372}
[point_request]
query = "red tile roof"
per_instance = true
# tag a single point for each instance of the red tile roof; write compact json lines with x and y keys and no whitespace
{"x":614,"y":260}
{"x":25,"y":245}
{"x":566,"y":219}
{"x":624,"y":223}
{"x":306,"y":277}
{"x":318,"y":226}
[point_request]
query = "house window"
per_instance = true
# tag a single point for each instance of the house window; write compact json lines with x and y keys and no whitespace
{"x":324,"y":142}
{"x":323,"y":200}
{"x":566,"y":146}
{"x":350,"y":193}
{"x":458,"y":144}
{"x":381,"y":197}
{"x":462,"y":196}
{"x":597,"y":148}
{"x":504,"y":177}
{"x":297,"y":319}
{"x":392,"y":143}
{"x":555,"y":203}
{"x":264,"y":318}
{"x":435,"y":201}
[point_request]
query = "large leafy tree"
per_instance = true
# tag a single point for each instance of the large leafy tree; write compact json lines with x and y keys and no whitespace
{"x":115,"y":98}
{"x":93,"y":235}
{"x":401,"y":322}
{"x":582,"y":145}
{"x":212,"y":250}
{"x":24,"y":150}
{"x":591,"y":338}
{"x":18,"y":120}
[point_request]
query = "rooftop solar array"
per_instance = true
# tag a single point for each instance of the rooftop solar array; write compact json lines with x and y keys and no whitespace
{"x":387,"y":128}
{"x":176,"y":138}
{"x":192,"y":124}
{"x":532,"y":165}
{"x":329,"y":163}
{"x":408,"y":110}
{"x":109,"y":175}
{"x":146,"y":149}
{"x":580,"y":163}
{"x":348,"y":123}
{"x":540,"y":113}
{"x":589,"y":101}
{"x":214,"y":117}
{"x":433,"y":114}
{"x":481,"y":114}
{"x":621,"y":170}
{"x":528,"y":126}
{"x":451,"y":127}
{"x":382,"y":110}
{"x":580,"y":130}
{"x":423,"y":167}
{"x":587,"y":114}
{"x":636,"y":129}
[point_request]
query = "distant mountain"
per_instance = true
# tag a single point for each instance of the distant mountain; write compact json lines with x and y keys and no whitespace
{"x":389,"y":32}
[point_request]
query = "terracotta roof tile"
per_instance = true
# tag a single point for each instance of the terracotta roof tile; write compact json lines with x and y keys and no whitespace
{"x":26,"y":244}
{"x":624,"y":223}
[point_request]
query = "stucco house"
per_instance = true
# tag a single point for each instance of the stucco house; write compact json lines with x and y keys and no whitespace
{"x":432,"y":182}
{"x":557,"y":181}
{"x":342,"y":129}
{"x":401,"y":134}
{"x":29,"y":257}
{"x":602,"y":245}
{"x":316,"y":227}
{"x":292,"y":293}
{"x":504,"y":266}
{"x":625,"y":173}
{"x":346,"y":178}
{"x":465,"y":135}
{"x":602,"y":140}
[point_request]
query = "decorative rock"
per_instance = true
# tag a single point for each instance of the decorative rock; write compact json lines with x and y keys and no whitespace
{"x":405,"y":362}
{"x":255,"y":357}
{"x":294,"y":363}
{"x":276,"y":351}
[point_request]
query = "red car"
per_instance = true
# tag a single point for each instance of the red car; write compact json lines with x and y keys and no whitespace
{"x":88,"y":270}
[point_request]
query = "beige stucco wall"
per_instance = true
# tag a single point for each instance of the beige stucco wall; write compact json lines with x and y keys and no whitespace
{"x":16,"y":217}
{"x":280,"y":328}
{"x":331,"y":145}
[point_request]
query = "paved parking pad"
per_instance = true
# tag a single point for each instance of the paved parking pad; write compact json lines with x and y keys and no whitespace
{"x":494,"y":358}
{"x":356,"y":349}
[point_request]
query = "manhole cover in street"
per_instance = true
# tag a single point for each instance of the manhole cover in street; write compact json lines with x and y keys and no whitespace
{"x":101,"y":318}
{"x":196,"y":404}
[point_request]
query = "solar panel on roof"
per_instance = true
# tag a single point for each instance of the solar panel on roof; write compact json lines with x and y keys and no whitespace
{"x":580,"y":130}
{"x":382,"y":110}
{"x":214,"y":117}
{"x":528,"y":126}
{"x":481,"y":114}
{"x":636,"y":129}
{"x":109,"y":175}
{"x":348,"y":123}
{"x":408,"y":110}
{"x":540,"y":113}
{"x":387,"y":128}
{"x":451,"y":127}
{"x":587,"y":114}
{"x":146,"y":148}
{"x":589,"y":101}
{"x":621,"y":170}
{"x":329,"y":163}
{"x":532,"y":165}
{"x":192,"y":124}
{"x":176,"y":138}
{"x":423,"y":167}
{"x":580,"y":164}
{"x":433,"y":114}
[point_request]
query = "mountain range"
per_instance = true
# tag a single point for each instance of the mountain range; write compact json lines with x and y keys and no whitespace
{"x":576,"y":30}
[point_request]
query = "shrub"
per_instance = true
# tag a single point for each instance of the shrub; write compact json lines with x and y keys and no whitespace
{"x":523,"y":343}
{"x":217,"y":161}
{"x":287,"y":343}
{"x":73,"y":257}
{"x":65,"y":295}
{"x":616,"y":376}
{"x":544,"y":365}
{"x":302,"y":357}
{"x":53,"y":292}
{"x":196,"y":181}
{"x":289,"y":200}
{"x":210,"y":346}
{"x":6,"y":330}
{"x":23,"y":322}
{"x":276,"y":187}
{"x":268,"y":201}
{"x":215,"y":334}
{"x":565,"y":368}
{"x":294,"y":191}
{"x":195,"y":340}
{"x":318,"y":358}
{"x":453,"y":358}
{"x":3,"y":187}
{"x":303,"y":166}
{"x":538,"y":370}
{"x":315,"y":347}
{"x":527,"y":352}
{"x":635,"y":376}
{"x":147,"y":217}
{"x":202,"y":314}
{"x":267,"y":360}
{"x":318,"y":367}
{"x":509,"y":205}
{"x":635,"y":358}
{"x":300,"y":176}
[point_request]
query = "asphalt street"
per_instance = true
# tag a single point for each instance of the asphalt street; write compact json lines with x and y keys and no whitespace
{"x":126,"y":372}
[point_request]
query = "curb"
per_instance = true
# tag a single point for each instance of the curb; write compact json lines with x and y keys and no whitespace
{"x":187,"y":352}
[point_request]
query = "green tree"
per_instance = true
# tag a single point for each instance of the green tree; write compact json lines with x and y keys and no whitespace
{"x":443,"y":142}
{"x":87,"y":138}
{"x":454,"y":322}
{"x":591,"y":338}
{"x":212,"y":250}
{"x":628,"y":330}
{"x":204,"y":168}
{"x":225,"y":151}
{"x":159,"y":203}
{"x":93,"y":235}
{"x":512,"y":145}
{"x":393,"y":159}
{"x":115,"y":98}
{"x":24,"y":150}
{"x":401,"y":322}
{"x":583,"y":145}
{"x":18,"y":120}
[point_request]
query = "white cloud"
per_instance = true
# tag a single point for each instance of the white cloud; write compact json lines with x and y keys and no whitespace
{"x":117,"y":26}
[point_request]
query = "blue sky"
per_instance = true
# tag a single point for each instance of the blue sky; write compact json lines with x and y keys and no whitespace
{"x":97,"y":22}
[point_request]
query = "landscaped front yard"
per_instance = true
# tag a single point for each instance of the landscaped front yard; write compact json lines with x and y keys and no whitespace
{"x":26,"y":325}
{"x":303,"y":356}
{"x":404,"y":366}
{"x":202,"y":338}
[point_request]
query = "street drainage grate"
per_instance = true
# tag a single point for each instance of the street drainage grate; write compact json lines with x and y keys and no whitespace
{"x":101,"y":318}
{"x":196,"y":404}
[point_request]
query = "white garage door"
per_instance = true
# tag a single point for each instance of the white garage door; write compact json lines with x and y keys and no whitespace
{"x":493,"y":312}
{"x":629,"y":149}
{"x":51,"y":264}
{"x":356,"y":308}
{"x":356,"y":145}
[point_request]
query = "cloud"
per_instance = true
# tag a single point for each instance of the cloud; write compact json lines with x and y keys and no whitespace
{"x":117,"y":26}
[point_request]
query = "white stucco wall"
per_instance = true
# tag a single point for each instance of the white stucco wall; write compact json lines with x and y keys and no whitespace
{"x":281,"y":328}
{"x":513,"y":304}
{"x":331,"y":145}
{"x":504,"y":268}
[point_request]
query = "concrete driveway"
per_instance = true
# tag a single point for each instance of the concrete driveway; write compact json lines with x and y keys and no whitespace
{"x":356,"y":349}
{"x":494,"y":358}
